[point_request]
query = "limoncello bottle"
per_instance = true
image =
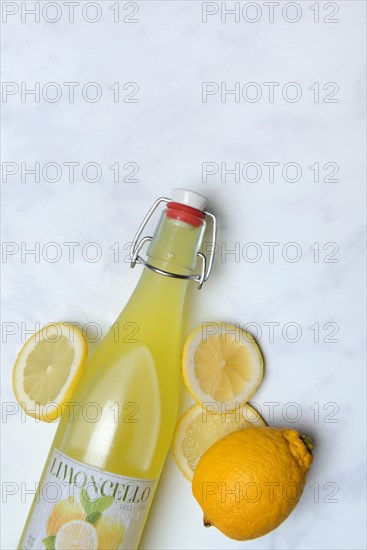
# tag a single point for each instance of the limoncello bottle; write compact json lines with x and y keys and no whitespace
{"x":112,"y":440}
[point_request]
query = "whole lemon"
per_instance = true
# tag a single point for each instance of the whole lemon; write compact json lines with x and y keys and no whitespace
{"x":249,"y":481}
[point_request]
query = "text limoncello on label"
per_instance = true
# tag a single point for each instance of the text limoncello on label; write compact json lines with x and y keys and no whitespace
{"x":100,"y":476}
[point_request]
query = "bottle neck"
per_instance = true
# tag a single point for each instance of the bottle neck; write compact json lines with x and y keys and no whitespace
{"x":174,"y":249}
{"x":176,"y":243}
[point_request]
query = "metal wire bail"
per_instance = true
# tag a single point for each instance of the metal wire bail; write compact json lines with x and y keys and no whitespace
{"x":137,"y":245}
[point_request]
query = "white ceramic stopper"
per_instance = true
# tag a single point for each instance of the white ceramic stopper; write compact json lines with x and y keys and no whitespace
{"x":190,"y":198}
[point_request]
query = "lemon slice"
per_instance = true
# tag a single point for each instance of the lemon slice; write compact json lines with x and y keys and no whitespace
{"x":47,"y":370}
{"x":77,"y":535}
{"x":221,"y":364}
{"x":197,"y":430}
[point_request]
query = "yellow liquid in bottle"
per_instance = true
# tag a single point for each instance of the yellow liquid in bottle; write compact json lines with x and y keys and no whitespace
{"x":123,"y":411}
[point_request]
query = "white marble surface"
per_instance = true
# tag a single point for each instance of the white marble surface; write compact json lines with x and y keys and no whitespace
{"x":169,"y":133}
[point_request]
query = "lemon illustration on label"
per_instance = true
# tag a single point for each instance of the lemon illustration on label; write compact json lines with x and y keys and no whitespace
{"x":77,"y":535}
{"x":64,"y":511}
{"x":111,"y":533}
{"x":74,"y":526}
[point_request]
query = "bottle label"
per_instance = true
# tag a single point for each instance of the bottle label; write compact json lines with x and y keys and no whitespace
{"x":81,"y":507}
